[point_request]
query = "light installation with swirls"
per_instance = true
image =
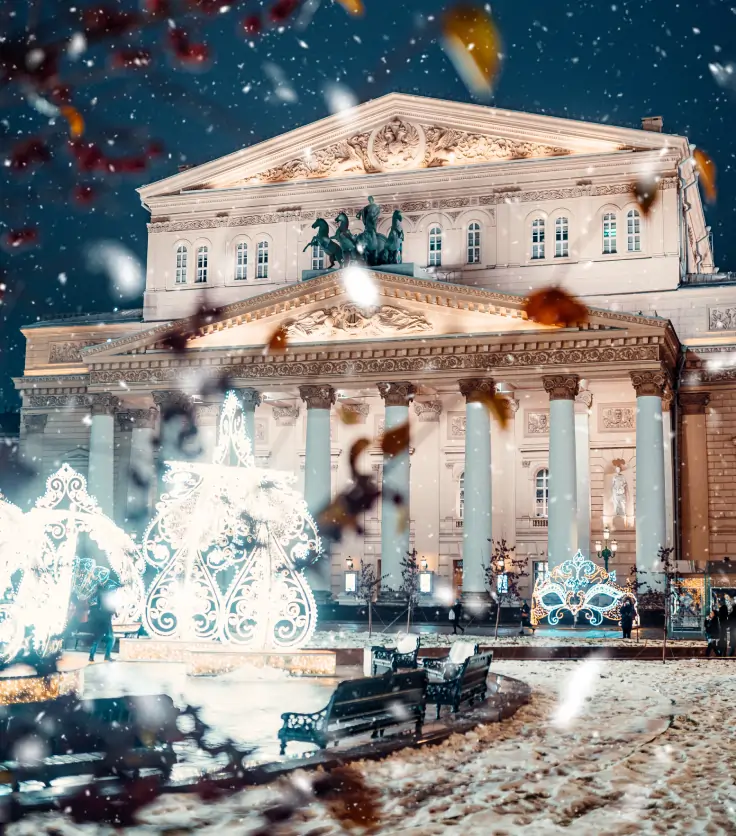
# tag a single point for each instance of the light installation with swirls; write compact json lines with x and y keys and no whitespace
{"x":40,"y":567}
{"x":225,"y":544}
{"x":579,"y":586}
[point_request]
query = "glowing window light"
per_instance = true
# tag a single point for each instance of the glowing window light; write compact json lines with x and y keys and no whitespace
{"x":39,"y":564}
{"x":226,"y":542}
{"x":579,"y":586}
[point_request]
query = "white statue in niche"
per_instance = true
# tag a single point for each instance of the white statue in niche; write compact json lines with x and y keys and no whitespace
{"x":619,"y":492}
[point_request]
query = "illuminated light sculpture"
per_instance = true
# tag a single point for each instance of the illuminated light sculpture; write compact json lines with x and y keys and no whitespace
{"x":39,"y":564}
{"x":226,"y":543}
{"x":579,"y":586}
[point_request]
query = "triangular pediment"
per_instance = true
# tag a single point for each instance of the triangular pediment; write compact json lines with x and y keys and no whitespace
{"x":322,"y":311}
{"x":399,"y":132}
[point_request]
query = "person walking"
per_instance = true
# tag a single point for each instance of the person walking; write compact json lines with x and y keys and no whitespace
{"x":456,"y":615}
{"x":712,"y":632}
{"x":102,"y":609}
{"x":722,"y":626}
{"x":526,"y":617}
{"x":732,"y":628}
{"x":627,"y":617}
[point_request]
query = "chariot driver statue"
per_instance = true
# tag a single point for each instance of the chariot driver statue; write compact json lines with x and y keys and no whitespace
{"x":369,"y":215}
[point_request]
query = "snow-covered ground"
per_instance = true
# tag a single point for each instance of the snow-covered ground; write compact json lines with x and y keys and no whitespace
{"x":592,"y":637}
{"x":606,"y":748}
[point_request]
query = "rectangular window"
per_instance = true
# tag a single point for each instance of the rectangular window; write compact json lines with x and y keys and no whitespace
{"x":474,"y":243}
{"x":502,"y":584}
{"x":541,"y":571}
{"x":318,"y":257}
{"x":241,"y":262}
{"x":538,"y":239}
{"x":561,"y":238}
{"x":609,"y":233}
{"x":202,"y":259}
{"x":181,"y":266}
{"x":633,"y":230}
{"x":262,"y":265}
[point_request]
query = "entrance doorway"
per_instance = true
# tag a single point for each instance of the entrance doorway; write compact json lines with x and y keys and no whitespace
{"x":457,"y":579}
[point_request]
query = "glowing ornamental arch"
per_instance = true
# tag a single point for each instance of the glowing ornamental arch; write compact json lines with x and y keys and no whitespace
{"x":226,"y":542}
{"x":579,"y":586}
{"x":39,"y":563}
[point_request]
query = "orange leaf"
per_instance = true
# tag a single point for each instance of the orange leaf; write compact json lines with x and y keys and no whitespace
{"x":645,"y":192}
{"x":75,"y":120}
{"x":553,"y":306}
{"x":353,"y":7}
{"x":348,"y":417}
{"x":472,"y":42}
{"x":355,"y":451}
{"x":706,"y":168}
{"x":497,"y":405}
{"x":402,"y":519}
{"x":277,"y":342}
{"x":395,"y":441}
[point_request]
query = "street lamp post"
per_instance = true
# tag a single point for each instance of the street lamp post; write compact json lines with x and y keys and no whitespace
{"x":603,"y":551}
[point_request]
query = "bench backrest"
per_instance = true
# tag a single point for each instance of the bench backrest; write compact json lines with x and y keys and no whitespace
{"x":401,"y":694}
{"x":460,"y":651}
{"x":407,"y":643}
{"x":475,"y":671}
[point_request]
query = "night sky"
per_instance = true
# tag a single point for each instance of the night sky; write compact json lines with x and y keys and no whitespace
{"x":598,"y":61}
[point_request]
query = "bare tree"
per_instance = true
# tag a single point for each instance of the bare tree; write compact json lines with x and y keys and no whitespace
{"x":503,"y":576}
{"x":658,"y":599}
{"x":367,"y":589}
{"x":410,"y":583}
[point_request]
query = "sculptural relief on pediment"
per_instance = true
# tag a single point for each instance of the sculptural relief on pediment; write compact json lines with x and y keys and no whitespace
{"x":350,"y":319}
{"x":400,"y":144}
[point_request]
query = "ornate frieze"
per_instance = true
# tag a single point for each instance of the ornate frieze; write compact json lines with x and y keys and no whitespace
{"x":56,"y":401}
{"x":649,"y":383}
{"x":317,"y":397}
{"x":615,"y":418}
{"x":477,"y":389}
{"x":722,"y":319}
{"x":285,"y":416}
{"x":400,"y":393}
{"x":34,"y":424}
{"x":103,"y":403}
{"x":537,"y":422}
{"x":140,"y":418}
{"x":693,"y":403}
{"x":561,"y":387}
{"x":351,"y":319}
{"x":428,"y":411}
{"x":171,"y":399}
{"x":68,"y":351}
{"x":456,"y":425}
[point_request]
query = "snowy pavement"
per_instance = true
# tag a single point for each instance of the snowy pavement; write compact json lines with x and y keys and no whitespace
{"x":606,"y":748}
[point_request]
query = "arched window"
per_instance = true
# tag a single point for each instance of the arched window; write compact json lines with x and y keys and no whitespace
{"x":541,"y":492}
{"x":182,"y":254}
{"x":318,"y":257}
{"x":633,"y":231}
{"x":609,"y":232}
{"x":461,"y":497}
{"x":538,"y":238}
{"x":202,"y":262}
{"x":562,"y":246}
{"x":262,"y":265}
{"x":241,"y":262}
{"x":435,"y":246}
{"x":474,"y":243}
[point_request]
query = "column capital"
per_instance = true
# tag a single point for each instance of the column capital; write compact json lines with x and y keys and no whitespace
{"x":428,"y":411}
{"x":207,"y":413}
{"x":399,"y":393}
{"x":693,"y":403}
{"x":171,"y":398}
{"x":667,"y":399}
{"x":104,"y":403}
{"x":561,"y":387}
{"x":250,"y":398}
{"x":649,"y":383}
{"x":317,"y":397}
{"x":35,"y":424}
{"x":477,"y":389}
{"x":135,"y":419}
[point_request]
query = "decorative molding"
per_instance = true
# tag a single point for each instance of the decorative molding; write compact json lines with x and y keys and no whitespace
{"x":613,"y":418}
{"x":399,"y":393}
{"x":142,"y":418}
{"x":428,"y":412}
{"x":317,"y":397}
{"x":693,"y":403}
{"x":171,"y":399}
{"x":68,"y":351}
{"x":536,"y":422}
{"x":103,"y":403}
{"x":722,"y":319}
{"x":511,"y":404}
{"x":285,"y":416}
{"x":667,"y":399}
{"x":526,"y":463}
{"x":561,"y":387}
{"x":35,"y":424}
{"x":359,"y":411}
{"x":477,"y":389}
{"x":207,"y":414}
{"x":250,"y":398}
{"x":261,"y":431}
{"x":351,"y":319}
{"x":585,"y":397}
{"x":475,"y":357}
{"x":649,"y":383}
{"x":456,"y":425}
{"x":65,"y":401}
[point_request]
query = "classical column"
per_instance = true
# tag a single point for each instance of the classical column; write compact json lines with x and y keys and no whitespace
{"x":694,"y":481}
{"x":100,"y":480}
{"x":31,"y":456}
{"x":477,"y":530}
{"x":207,"y":416}
{"x":669,"y":465}
{"x":562,"y":534}
{"x":318,"y":473}
{"x":425,"y":481}
{"x":175,"y":409}
{"x":250,"y":399}
{"x":141,"y":477}
{"x":583,"y":403}
{"x":395,"y":531}
{"x":651,"y":514}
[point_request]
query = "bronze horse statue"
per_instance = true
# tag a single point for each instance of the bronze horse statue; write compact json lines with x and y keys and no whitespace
{"x":322,"y":239}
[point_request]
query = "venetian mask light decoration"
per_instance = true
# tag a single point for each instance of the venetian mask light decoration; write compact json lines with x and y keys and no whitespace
{"x":226,"y":544}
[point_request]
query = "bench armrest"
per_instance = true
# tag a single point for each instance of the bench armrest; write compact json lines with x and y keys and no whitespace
{"x":433,"y":665}
{"x":380,"y":652}
{"x":304,"y":721}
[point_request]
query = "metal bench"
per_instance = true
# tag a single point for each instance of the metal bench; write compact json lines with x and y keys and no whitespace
{"x":447,"y":667}
{"x":77,"y":741}
{"x":371,"y":704}
{"x":467,"y":685}
{"x":391,"y":659}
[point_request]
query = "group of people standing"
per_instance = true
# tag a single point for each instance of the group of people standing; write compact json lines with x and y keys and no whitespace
{"x":720,"y":629}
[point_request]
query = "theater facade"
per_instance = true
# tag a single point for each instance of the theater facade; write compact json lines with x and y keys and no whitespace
{"x":624,"y":425}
